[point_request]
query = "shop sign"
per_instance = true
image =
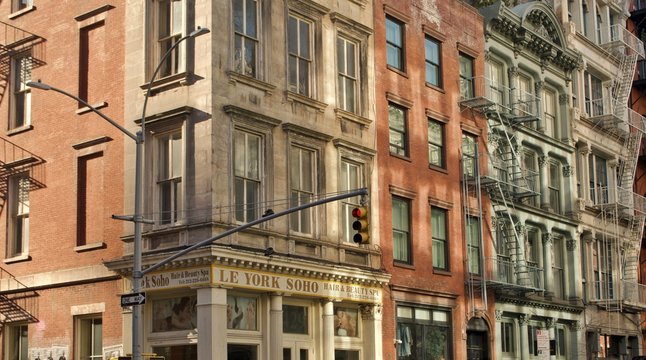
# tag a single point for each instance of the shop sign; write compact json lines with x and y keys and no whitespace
{"x":177,"y":278}
{"x":294,"y":285}
{"x":543,"y":344}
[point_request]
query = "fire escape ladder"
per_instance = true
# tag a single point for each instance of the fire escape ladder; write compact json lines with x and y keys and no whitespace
{"x":18,"y":303}
{"x":14,"y":160}
{"x":15,"y":41}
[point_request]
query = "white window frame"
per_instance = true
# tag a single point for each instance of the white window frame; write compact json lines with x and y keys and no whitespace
{"x":599,"y":190}
{"x":405,"y":231}
{"x":302,"y":222}
{"x":554,"y":185}
{"x":437,"y":240}
{"x":437,"y":145}
{"x":20,"y":5}
{"x":508,"y":347}
{"x":302,"y":58}
{"x":550,"y":110}
{"x":348,"y":81}
{"x":20,"y":93}
{"x":176,"y":181}
{"x":250,"y":210}
{"x":176,"y":61}
{"x":84,"y":326}
{"x":18,"y":219}
{"x":299,"y":342}
{"x":347,"y":183}
{"x":13,"y":336}
{"x":243,"y":41}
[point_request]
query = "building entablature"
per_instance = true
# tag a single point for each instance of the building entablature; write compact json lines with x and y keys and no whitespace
{"x":532,"y":29}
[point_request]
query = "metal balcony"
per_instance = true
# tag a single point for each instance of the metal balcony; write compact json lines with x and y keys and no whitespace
{"x":17,"y":302}
{"x":620,"y":41}
{"x":500,"y":273}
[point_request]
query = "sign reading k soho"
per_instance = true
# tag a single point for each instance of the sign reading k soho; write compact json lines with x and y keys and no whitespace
{"x":249,"y":279}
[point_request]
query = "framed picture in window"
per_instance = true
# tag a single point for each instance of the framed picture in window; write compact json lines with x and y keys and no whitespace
{"x":345,"y":322}
{"x":242,"y":312}
{"x":175,"y":314}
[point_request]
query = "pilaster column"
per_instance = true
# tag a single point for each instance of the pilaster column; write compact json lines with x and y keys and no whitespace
{"x":584,"y":174}
{"x":373,"y":344}
{"x":211,"y":323}
{"x":524,"y":340}
{"x":549,"y":324}
{"x":542,"y":169}
{"x":328,"y":330}
{"x":568,"y":194}
{"x":276,"y":326}
{"x":577,"y":339}
{"x":588,"y":237}
{"x":538,"y":91}
{"x":575,"y":285}
{"x":498,"y":334}
{"x":547,"y":264}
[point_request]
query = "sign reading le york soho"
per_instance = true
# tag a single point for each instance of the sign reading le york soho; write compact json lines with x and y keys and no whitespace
{"x":250,"y":279}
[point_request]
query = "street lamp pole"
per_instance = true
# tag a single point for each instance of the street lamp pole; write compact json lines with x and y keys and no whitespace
{"x":137,"y":218}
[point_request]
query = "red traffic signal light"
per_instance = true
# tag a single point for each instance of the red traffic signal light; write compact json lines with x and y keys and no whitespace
{"x":361,"y":225}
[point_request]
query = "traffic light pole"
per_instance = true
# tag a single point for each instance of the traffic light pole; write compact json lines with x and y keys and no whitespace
{"x":349,"y":194}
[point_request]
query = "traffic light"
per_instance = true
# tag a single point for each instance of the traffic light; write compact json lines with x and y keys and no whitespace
{"x":360,"y":224}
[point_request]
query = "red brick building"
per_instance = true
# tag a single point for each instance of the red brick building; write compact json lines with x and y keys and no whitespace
{"x":423,"y":49}
{"x":61,"y":178}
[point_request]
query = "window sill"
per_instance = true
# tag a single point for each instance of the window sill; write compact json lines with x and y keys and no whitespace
{"x":19,"y":258}
{"x":235,"y":78}
{"x":22,"y":12}
{"x":403,"y":265}
{"x":442,"y":272}
{"x":396,"y":70}
{"x":168,"y":82}
{"x":19,"y":130}
{"x":401,"y":157}
{"x":438,"y":169}
{"x":350,"y":116}
{"x":305,"y":100}
{"x":87,"y":109}
{"x":89,"y":247}
{"x":436,"y":88}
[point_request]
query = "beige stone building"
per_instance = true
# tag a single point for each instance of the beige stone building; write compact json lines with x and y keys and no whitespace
{"x":270,"y":110}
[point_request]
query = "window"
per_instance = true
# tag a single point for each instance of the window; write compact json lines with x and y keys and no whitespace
{"x":18,"y":226}
{"x":473,"y":245}
{"x":593,"y":92}
{"x":530,"y":172}
{"x":497,"y":87}
{"x":18,"y":5}
{"x":21,"y":93}
{"x":89,"y":335}
{"x":423,"y":333}
{"x":395,"y":43}
{"x":346,"y":52}
{"x":436,"y":143}
{"x":17,"y":342}
{"x":561,"y":345}
{"x":170,"y":163}
{"x":551,"y":124}
{"x":90,"y":191}
{"x":466,"y":77}
{"x":178,"y":352}
{"x":302,"y":182}
{"x":598,"y":174}
{"x":603,"y":274}
{"x":554,"y":185}
{"x":246,"y":39}
{"x":531,"y":336}
{"x":532,"y":248}
{"x":168,"y":29}
{"x":526,"y":97}
{"x":507,"y":337}
{"x":557,"y":266}
{"x":247,"y":172}
{"x":397,"y":125}
{"x":346,"y":354}
{"x":440,"y":238}
{"x":469,"y":151}
{"x":433,"y":64}
{"x":299,"y":44}
{"x":295,"y":319}
{"x":401,"y":230}
{"x":351,"y":179}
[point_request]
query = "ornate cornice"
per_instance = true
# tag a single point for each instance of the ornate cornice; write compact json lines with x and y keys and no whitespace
{"x":537,"y":304}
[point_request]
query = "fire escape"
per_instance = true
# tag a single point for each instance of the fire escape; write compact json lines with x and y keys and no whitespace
{"x":18,"y":303}
{"x":621,"y":212}
{"x":505,"y":180}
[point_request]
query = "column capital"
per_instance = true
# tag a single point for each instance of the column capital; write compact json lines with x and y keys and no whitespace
{"x":564,"y":99}
{"x":524,"y":319}
{"x":550,"y":322}
{"x":568,"y":170}
{"x":571,"y":244}
{"x":548,"y":237}
{"x":542,"y":160}
{"x":370,"y":311}
{"x":538,"y":86}
{"x":512,"y":72}
{"x":498,"y":315}
{"x":576,"y":325}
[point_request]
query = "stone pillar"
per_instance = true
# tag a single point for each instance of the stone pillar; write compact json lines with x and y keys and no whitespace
{"x":613,"y":194}
{"x":498,"y":334}
{"x":543,"y":174}
{"x":584,"y":172}
{"x":547,"y":264}
{"x":549,"y":324}
{"x":328,"y":330}
{"x":514,"y":94}
{"x":519,"y":261}
{"x":373,"y":339}
{"x":524,"y":340}
{"x":589,"y":289}
{"x":573,"y":263}
{"x":538,"y":91}
{"x":276,"y":326}
{"x":563,"y":131}
{"x":211,"y":323}
{"x":568,"y":193}
{"x":577,"y":340}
